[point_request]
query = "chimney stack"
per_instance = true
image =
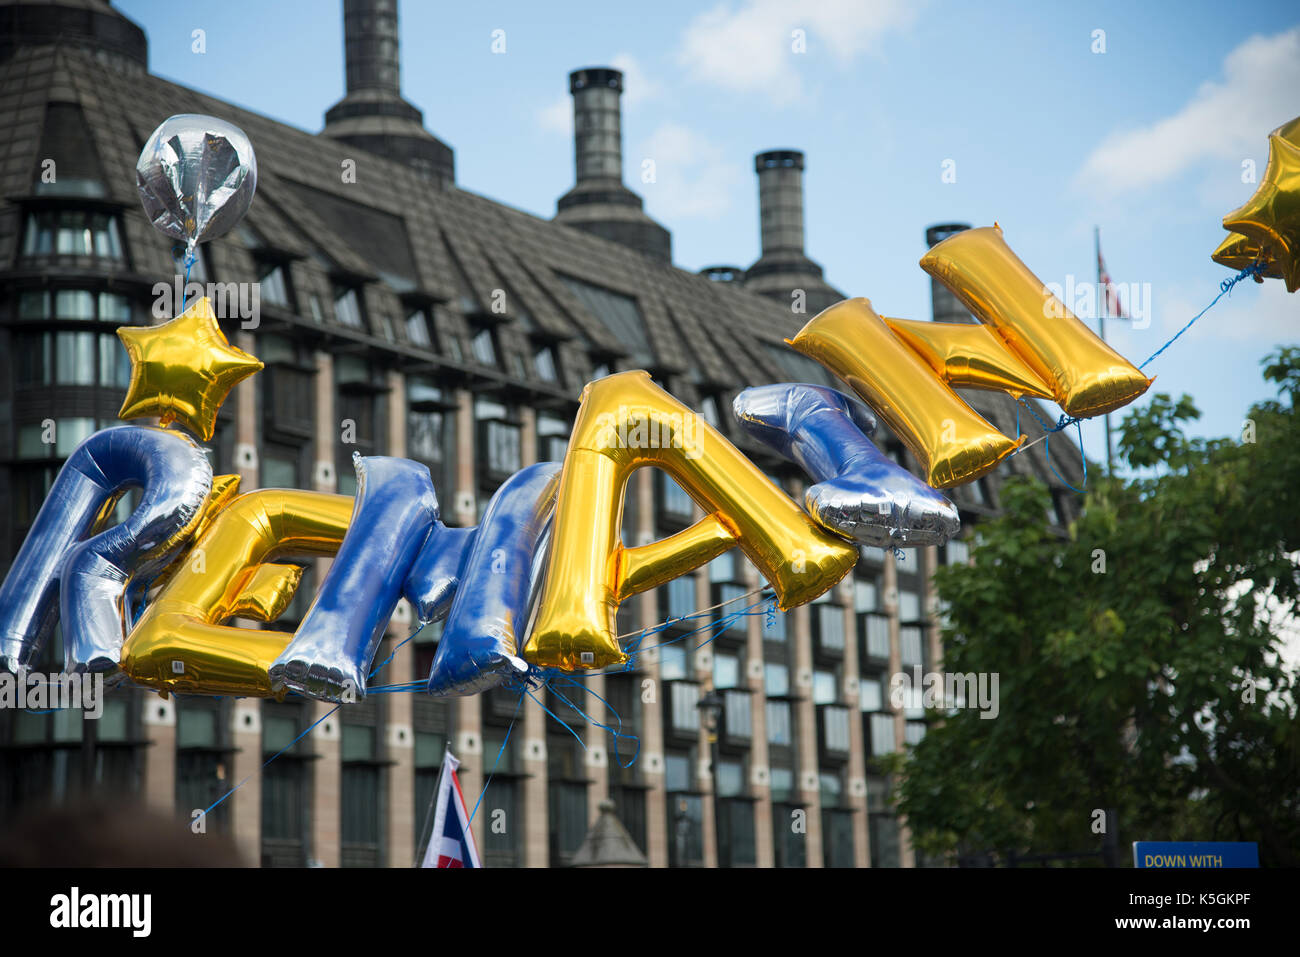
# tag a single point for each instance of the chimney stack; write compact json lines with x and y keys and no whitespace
{"x":599,"y":203}
{"x":944,"y":306}
{"x":370,"y":47}
{"x":783,"y":270}
{"x":373,"y":115}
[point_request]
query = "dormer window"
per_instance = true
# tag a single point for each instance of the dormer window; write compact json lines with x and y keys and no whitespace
{"x":72,"y":232}
{"x":274,"y":284}
{"x":544,"y":363}
{"x":347,"y":307}
{"x":484,"y":347}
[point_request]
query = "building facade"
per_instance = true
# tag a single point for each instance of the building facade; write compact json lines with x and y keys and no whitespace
{"x":400,"y":315}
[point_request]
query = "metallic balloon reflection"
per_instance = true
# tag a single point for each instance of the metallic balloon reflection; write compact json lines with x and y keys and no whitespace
{"x":480,"y":642}
{"x":332,"y":650}
{"x":859,"y":492}
{"x":196,"y":176}
{"x":56,"y":573}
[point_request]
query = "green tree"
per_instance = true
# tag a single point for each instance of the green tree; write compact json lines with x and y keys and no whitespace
{"x":1138,"y":657}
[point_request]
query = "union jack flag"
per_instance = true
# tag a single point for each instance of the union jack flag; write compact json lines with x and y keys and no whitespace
{"x":451,"y":843}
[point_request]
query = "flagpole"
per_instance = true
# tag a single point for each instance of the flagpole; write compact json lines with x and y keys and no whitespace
{"x":1102,"y":309}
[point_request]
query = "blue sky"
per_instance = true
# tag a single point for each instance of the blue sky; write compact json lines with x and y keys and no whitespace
{"x":1146,"y":140}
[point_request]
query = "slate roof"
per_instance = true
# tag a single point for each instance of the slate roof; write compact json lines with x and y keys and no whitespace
{"x":451,"y":247}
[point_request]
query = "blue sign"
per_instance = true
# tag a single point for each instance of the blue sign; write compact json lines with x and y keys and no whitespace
{"x":1197,"y":854}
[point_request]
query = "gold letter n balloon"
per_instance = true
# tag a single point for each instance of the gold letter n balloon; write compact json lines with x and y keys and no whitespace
{"x":1029,"y":344}
{"x":627,"y":422}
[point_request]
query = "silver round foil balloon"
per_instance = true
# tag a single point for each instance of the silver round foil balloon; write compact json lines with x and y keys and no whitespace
{"x":196,"y":177}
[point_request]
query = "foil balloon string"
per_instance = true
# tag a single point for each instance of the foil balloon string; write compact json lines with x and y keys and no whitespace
{"x":1064,"y":422}
{"x":539,"y":679}
{"x":1254,"y":270}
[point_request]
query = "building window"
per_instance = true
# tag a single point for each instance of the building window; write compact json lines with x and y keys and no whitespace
{"x":776,"y":680}
{"x":553,"y":443}
{"x":673,"y":660}
{"x":881,"y":728}
{"x":837,"y":838}
{"x":286,"y":787}
{"x":824,"y":689}
{"x":501,"y":847}
{"x":685,"y":812}
{"x":788,"y":844}
{"x":483,"y":346}
{"x":673,"y":500}
{"x":417,"y":329}
{"x":911,"y":646}
{"x":883,"y":825}
{"x":67,"y":435}
{"x":737,"y":719}
{"x":726,"y":671}
{"x":202,"y":760}
{"x":680,"y":596}
{"x":566,"y":780}
{"x":72,"y":232}
{"x":499,"y":443}
{"x":779,"y":730}
{"x":828,"y":628}
{"x":875,"y":629}
{"x":684,"y":699}
{"x":362,"y":786}
{"x":544,"y":363}
{"x":958,"y":553}
{"x":870,"y":695}
{"x":347,"y":307}
{"x":909,"y":605}
{"x":273,"y":285}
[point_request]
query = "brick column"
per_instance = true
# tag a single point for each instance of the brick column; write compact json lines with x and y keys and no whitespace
{"x":158,"y":716}
{"x":905,"y":856}
{"x":760,"y":770}
{"x":652,"y":715}
{"x":857,"y":777}
{"x":468,"y":743}
{"x":244,"y":396}
{"x":246,"y":802}
{"x":703,"y":662}
{"x":327,"y":772}
{"x":533,"y":720}
{"x":809,"y":782}
{"x":246,"y":715}
{"x":399,"y":734}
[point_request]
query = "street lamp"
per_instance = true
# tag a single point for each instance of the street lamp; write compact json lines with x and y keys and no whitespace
{"x":711,"y":705}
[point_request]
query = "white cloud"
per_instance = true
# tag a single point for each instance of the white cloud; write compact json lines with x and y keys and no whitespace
{"x":694,"y":177}
{"x":557,"y":116}
{"x":637,"y":86}
{"x":1225,"y":120}
{"x":1261,"y":313}
{"x":751,"y":48}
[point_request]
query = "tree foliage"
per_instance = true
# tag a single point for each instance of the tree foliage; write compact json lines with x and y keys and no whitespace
{"x":1138,"y":656}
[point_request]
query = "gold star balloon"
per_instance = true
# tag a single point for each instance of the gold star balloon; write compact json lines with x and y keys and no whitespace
{"x":1270,"y":220}
{"x":1237,"y":252}
{"x":182,"y":370}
